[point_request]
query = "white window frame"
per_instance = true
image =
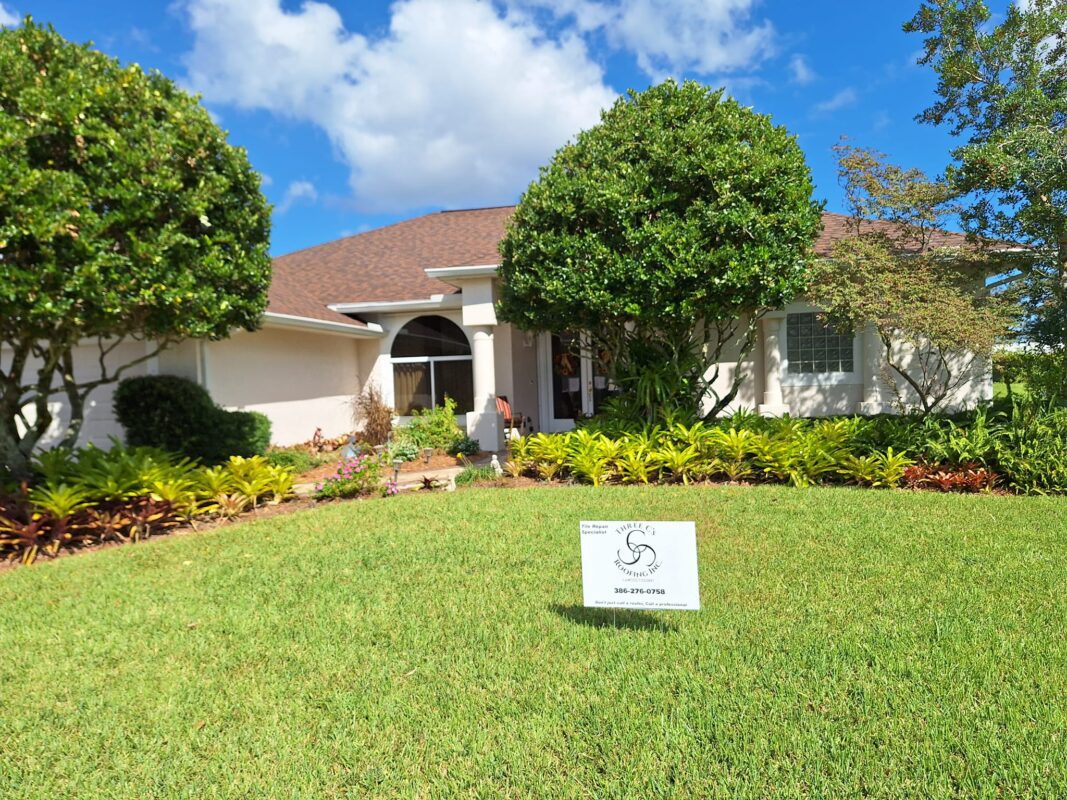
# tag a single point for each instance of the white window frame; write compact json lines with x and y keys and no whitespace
{"x":431,"y":360}
{"x":816,"y":378}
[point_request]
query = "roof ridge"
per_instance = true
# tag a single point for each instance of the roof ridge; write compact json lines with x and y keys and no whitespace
{"x":476,"y":208}
{"x":387,"y":226}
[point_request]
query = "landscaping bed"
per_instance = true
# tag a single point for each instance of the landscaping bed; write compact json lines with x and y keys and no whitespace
{"x":851,"y":643}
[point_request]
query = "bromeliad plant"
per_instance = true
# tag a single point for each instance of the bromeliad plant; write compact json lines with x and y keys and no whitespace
{"x":126,"y":494}
{"x":1023,"y":450}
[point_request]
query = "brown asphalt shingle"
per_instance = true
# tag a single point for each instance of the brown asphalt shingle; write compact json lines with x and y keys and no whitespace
{"x":388,"y":264}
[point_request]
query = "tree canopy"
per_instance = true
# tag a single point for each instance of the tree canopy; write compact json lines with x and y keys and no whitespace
{"x":928,"y":305}
{"x":664,"y":232}
{"x":124,"y":214}
{"x":1002,"y":88}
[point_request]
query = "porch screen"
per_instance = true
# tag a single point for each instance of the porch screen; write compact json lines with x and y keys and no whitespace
{"x":431,"y":359}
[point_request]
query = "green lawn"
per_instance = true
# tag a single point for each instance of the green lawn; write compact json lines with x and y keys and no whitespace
{"x":1000,"y":390}
{"x":852,"y":644}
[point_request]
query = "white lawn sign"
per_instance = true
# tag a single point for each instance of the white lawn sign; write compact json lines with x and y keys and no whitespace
{"x":650,"y":565}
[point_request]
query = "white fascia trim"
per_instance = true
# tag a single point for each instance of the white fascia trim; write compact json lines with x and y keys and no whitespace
{"x":272,"y":318}
{"x":448,"y":274}
{"x":430,"y":303}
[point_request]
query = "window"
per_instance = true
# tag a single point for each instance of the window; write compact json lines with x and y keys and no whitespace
{"x":432,"y":359}
{"x":815,"y":348}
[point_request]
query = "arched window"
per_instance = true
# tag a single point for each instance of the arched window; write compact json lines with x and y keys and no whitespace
{"x":431,"y":359}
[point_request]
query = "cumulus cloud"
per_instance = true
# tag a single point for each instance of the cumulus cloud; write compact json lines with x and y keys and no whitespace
{"x":8,"y":17}
{"x":671,"y":37}
{"x":295,"y":192}
{"x":845,"y":97}
{"x":457,"y":103}
{"x":800,"y":71}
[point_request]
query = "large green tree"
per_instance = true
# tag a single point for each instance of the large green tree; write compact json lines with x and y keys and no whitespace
{"x":1002,"y":88}
{"x":663,"y":234}
{"x":928,"y":304}
{"x":124,"y":216}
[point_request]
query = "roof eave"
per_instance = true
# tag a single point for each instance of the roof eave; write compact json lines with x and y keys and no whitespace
{"x":276,"y":320}
{"x":432,"y":303}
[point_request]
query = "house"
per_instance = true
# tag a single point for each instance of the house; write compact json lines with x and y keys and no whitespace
{"x":409,"y":308}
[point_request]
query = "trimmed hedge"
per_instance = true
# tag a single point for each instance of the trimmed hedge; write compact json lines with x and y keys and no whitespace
{"x":179,"y":416}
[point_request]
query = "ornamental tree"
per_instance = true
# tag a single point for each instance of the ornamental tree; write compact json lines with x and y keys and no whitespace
{"x":663,"y":234}
{"x":1002,"y":88}
{"x":124,"y":216}
{"x":935,"y":319}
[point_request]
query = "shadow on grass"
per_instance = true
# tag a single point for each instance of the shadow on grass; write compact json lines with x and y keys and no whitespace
{"x":613,"y":618}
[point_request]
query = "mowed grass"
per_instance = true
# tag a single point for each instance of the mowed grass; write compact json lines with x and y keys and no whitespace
{"x":852,"y":644}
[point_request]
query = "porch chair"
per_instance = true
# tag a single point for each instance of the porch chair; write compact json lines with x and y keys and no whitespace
{"x":512,"y":420}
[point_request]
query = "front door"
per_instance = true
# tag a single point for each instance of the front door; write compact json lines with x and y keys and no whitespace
{"x":573,"y":382}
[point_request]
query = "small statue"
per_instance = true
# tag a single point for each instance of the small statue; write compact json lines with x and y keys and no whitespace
{"x":349,"y":451}
{"x":494,"y":462}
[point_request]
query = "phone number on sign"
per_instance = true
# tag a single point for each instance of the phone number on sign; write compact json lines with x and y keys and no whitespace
{"x":624,"y":590}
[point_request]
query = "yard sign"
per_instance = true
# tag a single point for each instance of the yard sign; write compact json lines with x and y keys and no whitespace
{"x":640,"y":565}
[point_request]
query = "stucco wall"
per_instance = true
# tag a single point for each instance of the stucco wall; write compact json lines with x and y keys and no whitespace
{"x":301,"y":380}
{"x":100,"y":423}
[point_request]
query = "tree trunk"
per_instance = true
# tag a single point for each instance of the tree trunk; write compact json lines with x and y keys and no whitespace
{"x":16,"y":464}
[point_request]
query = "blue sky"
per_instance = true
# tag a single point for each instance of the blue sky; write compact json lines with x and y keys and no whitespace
{"x":362,"y":113}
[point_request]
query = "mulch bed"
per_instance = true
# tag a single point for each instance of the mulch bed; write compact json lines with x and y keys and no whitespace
{"x":437,"y":461}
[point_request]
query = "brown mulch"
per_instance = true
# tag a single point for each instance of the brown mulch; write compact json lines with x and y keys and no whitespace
{"x":437,"y":461}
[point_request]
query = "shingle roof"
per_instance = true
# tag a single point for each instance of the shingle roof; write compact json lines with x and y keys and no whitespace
{"x":836,"y":227}
{"x":387,"y":264}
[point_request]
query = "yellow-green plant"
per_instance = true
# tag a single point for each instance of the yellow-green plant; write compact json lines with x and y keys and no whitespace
{"x":549,"y":454}
{"x":681,"y":463}
{"x":214,"y":481}
{"x":732,"y":449}
{"x":591,"y":455}
{"x":635,"y":464}
{"x":179,"y":492}
{"x":519,"y":456}
{"x":280,"y":484}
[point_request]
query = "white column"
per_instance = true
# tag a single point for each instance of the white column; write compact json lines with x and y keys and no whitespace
{"x":871,"y":356}
{"x":773,"y":404}
{"x":483,"y":423}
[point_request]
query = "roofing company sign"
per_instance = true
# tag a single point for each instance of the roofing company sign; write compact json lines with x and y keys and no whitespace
{"x":649,"y":565}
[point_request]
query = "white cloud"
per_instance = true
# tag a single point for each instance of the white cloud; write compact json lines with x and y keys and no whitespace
{"x":295,"y":192}
{"x":8,"y":17}
{"x":800,"y":70}
{"x":671,"y":37}
{"x":265,"y":179}
{"x":458,"y":103}
{"x":845,"y":97}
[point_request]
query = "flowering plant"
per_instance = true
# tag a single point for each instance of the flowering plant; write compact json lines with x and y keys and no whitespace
{"x":354,"y":477}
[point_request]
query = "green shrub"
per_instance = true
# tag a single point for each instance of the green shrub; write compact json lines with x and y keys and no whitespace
{"x":296,"y":460}
{"x":179,"y":416}
{"x":472,"y":474}
{"x":464,"y":446}
{"x":403,"y":450}
{"x":431,"y":427}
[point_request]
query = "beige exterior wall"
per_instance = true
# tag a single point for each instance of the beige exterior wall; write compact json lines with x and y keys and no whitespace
{"x":100,"y":423}
{"x":301,"y":380}
{"x":867,"y":390}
